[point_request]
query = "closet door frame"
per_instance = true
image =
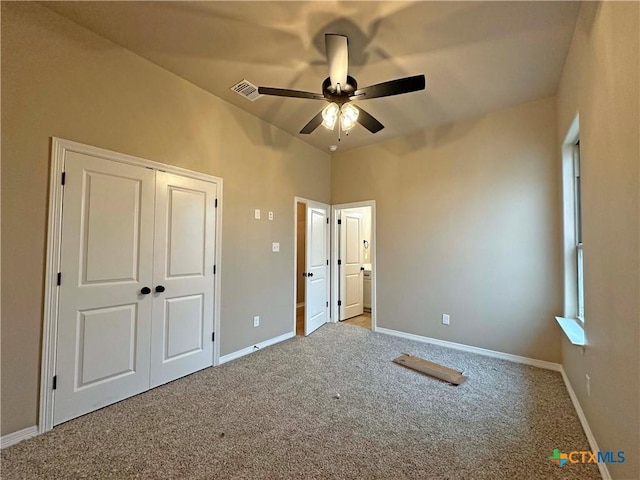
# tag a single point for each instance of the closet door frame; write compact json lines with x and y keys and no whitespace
{"x":59,"y":149}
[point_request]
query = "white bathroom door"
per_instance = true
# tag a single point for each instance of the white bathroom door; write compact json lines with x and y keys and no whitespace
{"x":351,"y":278}
{"x":183,"y":277}
{"x":317,"y":267}
{"x":104,"y":317}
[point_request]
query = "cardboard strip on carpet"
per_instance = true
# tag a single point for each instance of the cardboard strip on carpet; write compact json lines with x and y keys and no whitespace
{"x":431,"y":368}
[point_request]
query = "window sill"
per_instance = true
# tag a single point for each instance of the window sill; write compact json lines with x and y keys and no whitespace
{"x":573,"y":330}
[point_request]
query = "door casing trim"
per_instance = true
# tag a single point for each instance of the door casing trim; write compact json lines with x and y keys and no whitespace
{"x":59,"y":148}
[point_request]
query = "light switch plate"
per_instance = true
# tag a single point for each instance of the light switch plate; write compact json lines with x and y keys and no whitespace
{"x":256,"y":215}
{"x":275,"y":246}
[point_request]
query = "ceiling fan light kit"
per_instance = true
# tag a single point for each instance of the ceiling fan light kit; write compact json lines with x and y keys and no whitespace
{"x":348,"y":116}
{"x":339,"y":89}
{"x":330,"y":115}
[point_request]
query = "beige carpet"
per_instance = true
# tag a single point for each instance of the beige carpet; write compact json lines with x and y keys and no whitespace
{"x":274,"y":414}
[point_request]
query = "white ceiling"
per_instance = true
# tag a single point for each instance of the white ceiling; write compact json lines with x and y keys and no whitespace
{"x":477,"y":56}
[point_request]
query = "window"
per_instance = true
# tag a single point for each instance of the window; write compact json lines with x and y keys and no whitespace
{"x":572,"y":320}
{"x":577,"y":209}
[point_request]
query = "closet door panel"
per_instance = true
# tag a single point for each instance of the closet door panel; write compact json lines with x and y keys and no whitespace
{"x":104,"y":319}
{"x":184,"y":253}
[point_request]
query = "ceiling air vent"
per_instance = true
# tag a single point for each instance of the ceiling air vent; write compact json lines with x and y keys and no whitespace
{"x":247,"y":90}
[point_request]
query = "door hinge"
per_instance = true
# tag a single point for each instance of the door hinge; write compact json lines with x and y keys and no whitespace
{"x":214,"y":269}
{"x":327,"y":304}
{"x":59,"y":280}
{"x":339,"y":222}
{"x":213,"y":336}
{"x":327,"y":262}
{"x":339,"y":303}
{"x":64,"y":177}
{"x":327,"y":220}
{"x":339,"y":262}
{"x":216,"y":206}
{"x":55,"y":382}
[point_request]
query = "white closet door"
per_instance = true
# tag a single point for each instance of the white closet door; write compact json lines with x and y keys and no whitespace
{"x":106,"y":260}
{"x":183,"y":279}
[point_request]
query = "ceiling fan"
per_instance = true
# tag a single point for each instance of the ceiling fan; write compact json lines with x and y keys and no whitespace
{"x":340,"y":89}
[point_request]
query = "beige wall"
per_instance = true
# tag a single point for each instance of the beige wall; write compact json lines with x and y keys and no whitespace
{"x":59,"y":79}
{"x":601,"y":82}
{"x":467,"y":224}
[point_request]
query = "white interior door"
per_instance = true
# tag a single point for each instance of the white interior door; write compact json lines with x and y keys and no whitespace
{"x":351,"y":272}
{"x":104,"y":318}
{"x":183,"y":278}
{"x":317,"y":266}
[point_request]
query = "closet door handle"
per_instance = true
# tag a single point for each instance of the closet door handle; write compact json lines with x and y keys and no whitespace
{"x":145,"y":291}
{"x":309,"y":274}
{"x":362,"y":269}
{"x":159,"y":289}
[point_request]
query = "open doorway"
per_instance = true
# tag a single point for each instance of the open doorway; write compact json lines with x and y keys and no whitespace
{"x":353,"y":251}
{"x":301,"y":248}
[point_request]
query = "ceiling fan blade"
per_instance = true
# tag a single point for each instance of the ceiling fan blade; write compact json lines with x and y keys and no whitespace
{"x":393,"y":87}
{"x":284,"y":92}
{"x":368,"y":121}
{"x":338,"y":58}
{"x":314,"y":123}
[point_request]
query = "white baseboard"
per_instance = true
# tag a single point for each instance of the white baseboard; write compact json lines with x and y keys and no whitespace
{"x":468,"y":348}
{"x":253,"y":348}
{"x":604,"y":471}
{"x":16,"y":437}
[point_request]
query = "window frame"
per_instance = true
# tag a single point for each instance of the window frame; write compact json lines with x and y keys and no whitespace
{"x":572,"y":217}
{"x":579,"y":247}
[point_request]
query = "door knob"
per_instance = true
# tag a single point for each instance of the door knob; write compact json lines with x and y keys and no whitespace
{"x":145,"y":291}
{"x":310,"y":275}
{"x":362,"y":269}
{"x":304,"y":274}
{"x":159,"y":289}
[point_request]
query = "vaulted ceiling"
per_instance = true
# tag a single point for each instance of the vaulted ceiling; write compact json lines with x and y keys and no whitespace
{"x":477,"y":56}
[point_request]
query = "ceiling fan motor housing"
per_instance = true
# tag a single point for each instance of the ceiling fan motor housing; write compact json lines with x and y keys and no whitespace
{"x":346,"y":91}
